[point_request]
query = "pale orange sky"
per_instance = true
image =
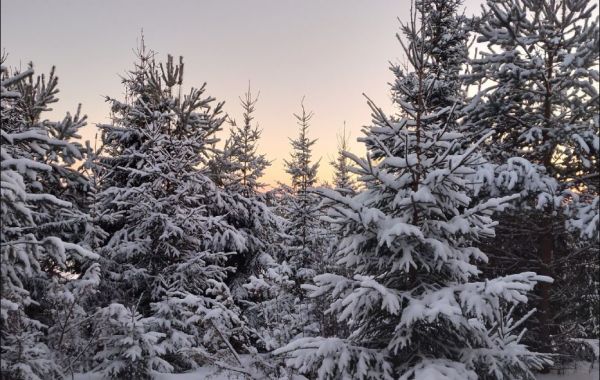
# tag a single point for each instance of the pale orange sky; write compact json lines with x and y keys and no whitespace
{"x":329,"y":51}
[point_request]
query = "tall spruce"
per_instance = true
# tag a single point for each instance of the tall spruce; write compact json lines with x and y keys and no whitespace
{"x":412,"y":301}
{"x":258,"y":269}
{"x":249,"y":166}
{"x":278,"y":312}
{"x":167,"y":305}
{"x":301,"y":238}
{"x":242,"y":168}
{"x":342,"y":175}
{"x":46,"y":272}
{"x":302,"y":209}
{"x":539,"y":96}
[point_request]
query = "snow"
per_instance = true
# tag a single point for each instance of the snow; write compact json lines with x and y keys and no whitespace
{"x":86,"y":376}
{"x":202,"y":373}
{"x":594,"y":344}
{"x":581,"y":371}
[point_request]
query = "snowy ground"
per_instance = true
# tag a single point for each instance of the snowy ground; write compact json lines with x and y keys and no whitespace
{"x":581,"y":371}
{"x":208,"y":373}
{"x":205,"y":373}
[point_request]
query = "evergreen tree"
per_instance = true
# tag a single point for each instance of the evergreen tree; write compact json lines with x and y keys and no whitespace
{"x":539,"y":78}
{"x":42,"y":256}
{"x":540,"y":68}
{"x":442,"y":40}
{"x":260,"y":276}
{"x":167,"y":304}
{"x":278,"y":314}
{"x":342,"y":173}
{"x":241,"y":169}
{"x":344,"y":183}
{"x":301,"y":210}
{"x":297,"y":248}
{"x":412,"y":301}
{"x":249,"y":166}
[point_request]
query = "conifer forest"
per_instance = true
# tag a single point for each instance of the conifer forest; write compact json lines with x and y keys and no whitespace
{"x":463,"y":245}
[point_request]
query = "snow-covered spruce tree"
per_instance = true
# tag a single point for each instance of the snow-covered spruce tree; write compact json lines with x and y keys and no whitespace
{"x":273,"y":290}
{"x":344,"y":183}
{"x":343,"y":180}
{"x":306,"y":248}
{"x":296,"y":247}
{"x":302,"y":209}
{"x":540,"y":93}
{"x":249,"y":165}
{"x":167,"y":305}
{"x":539,"y":75}
{"x":241,"y":169}
{"x":260,"y":284}
{"x":443,"y":40}
{"x":42,"y":224}
{"x":65,"y":303}
{"x":414,"y":304}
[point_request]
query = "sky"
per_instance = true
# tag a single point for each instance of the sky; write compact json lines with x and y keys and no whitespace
{"x":330,"y":52}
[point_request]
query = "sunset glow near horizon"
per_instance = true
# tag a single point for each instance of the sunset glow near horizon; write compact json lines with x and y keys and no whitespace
{"x":328,"y":52}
